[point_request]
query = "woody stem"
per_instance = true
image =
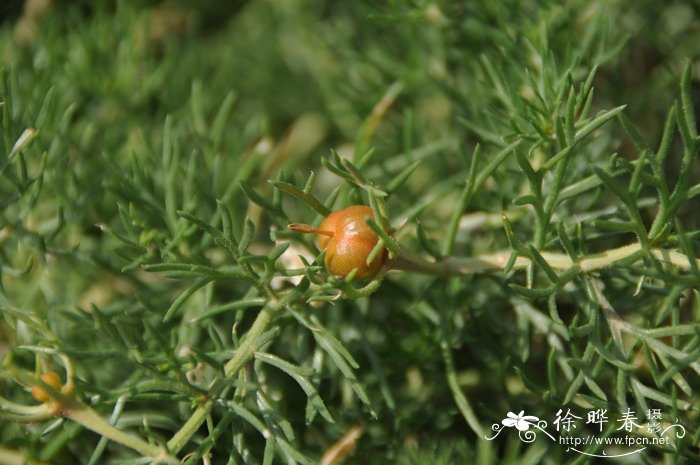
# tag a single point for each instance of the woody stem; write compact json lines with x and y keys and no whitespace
{"x":456,"y":266}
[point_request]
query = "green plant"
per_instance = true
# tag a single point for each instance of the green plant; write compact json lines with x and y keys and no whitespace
{"x":533,"y":196}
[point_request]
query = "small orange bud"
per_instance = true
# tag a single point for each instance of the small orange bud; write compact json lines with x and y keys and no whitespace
{"x":348,"y":241}
{"x":52,"y":379}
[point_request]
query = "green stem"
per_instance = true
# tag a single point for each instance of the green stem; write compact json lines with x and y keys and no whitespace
{"x":242,"y":355}
{"x":178,"y":441}
{"x":65,"y":403}
{"x":461,"y":400}
{"x":84,"y":415}
{"x":469,"y":265}
{"x":31,"y":412}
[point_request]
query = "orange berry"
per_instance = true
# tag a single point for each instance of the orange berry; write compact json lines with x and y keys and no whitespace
{"x":52,"y":379}
{"x":348,"y":241}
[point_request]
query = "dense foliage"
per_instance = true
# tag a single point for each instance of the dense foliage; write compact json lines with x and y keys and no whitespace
{"x":153,"y":154}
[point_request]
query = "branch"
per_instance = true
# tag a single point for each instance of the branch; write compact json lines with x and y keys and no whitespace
{"x":84,"y":415}
{"x":407,"y":260}
{"x":242,"y":355}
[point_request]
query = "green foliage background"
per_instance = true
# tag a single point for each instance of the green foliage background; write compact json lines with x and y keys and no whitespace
{"x":123,"y":124}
